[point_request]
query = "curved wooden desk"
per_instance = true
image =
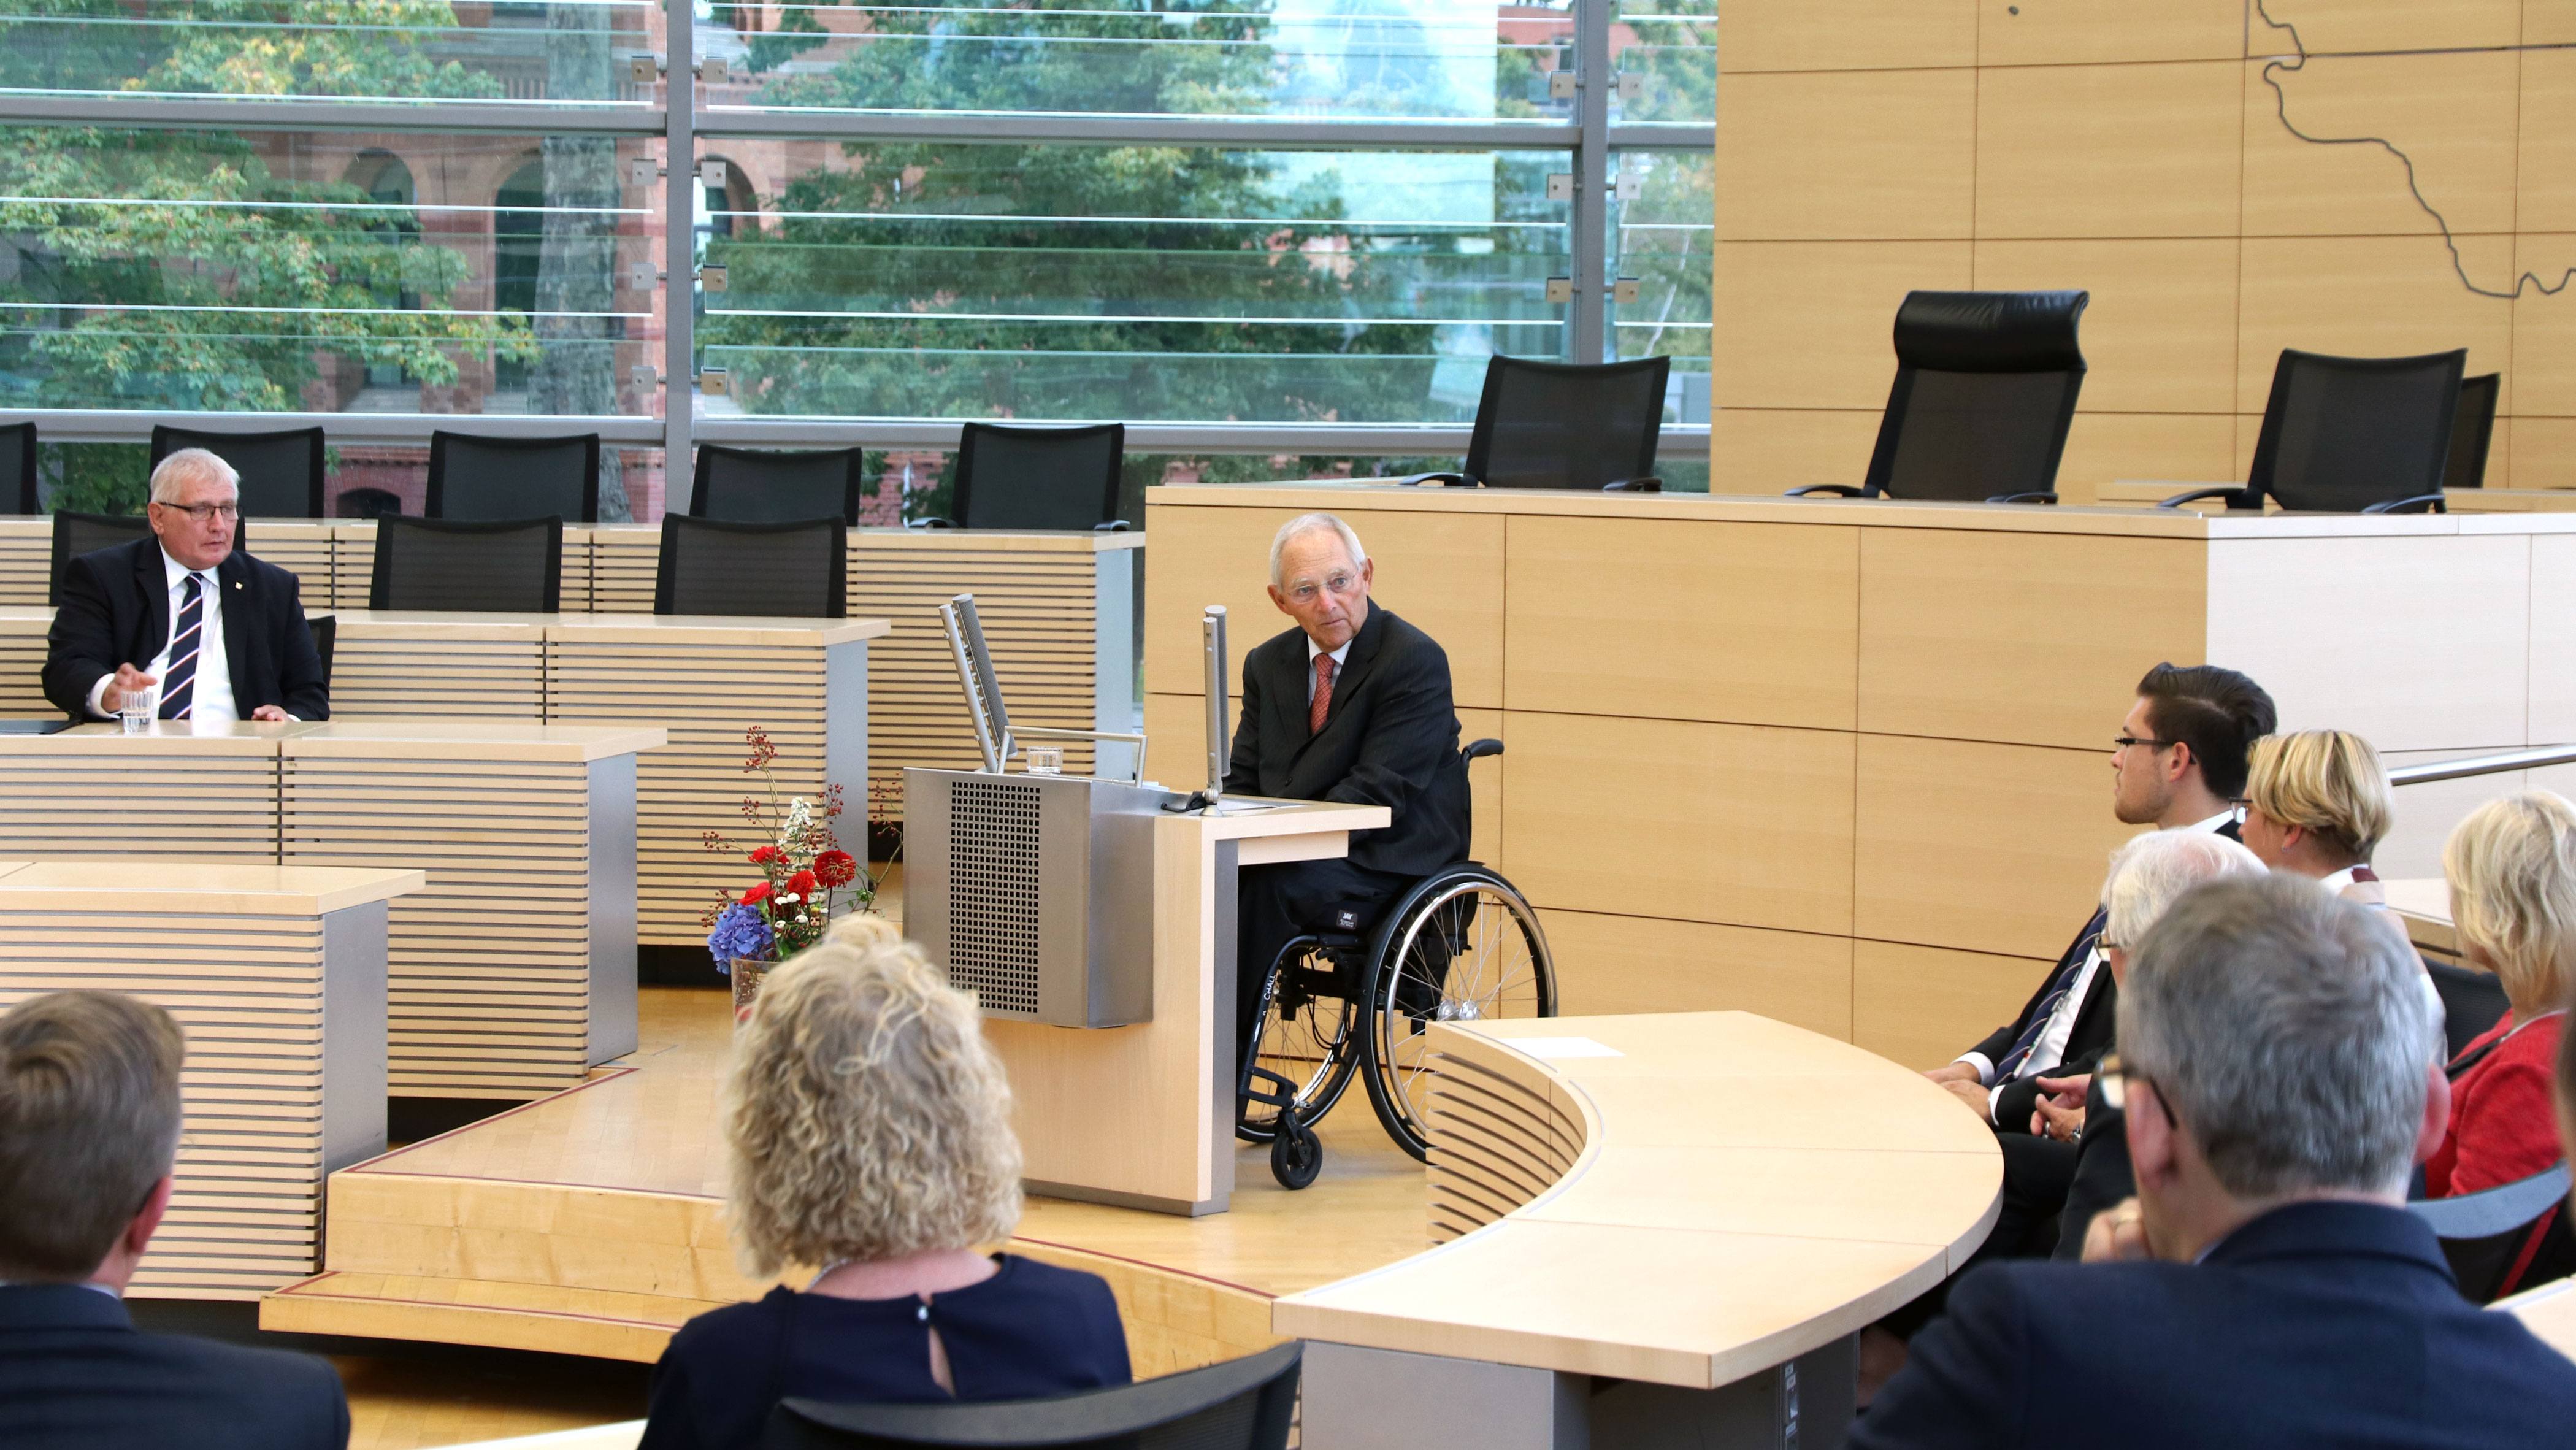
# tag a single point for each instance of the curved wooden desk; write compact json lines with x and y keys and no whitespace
{"x":1694,"y":1201}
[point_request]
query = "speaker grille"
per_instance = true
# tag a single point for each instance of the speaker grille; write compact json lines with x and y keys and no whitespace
{"x":993,"y":893}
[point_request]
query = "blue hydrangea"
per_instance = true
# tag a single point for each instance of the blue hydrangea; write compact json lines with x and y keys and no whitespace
{"x":739,"y":932}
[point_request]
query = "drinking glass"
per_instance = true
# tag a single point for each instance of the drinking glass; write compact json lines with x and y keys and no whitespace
{"x":138,"y":708}
{"x":1046,"y":760}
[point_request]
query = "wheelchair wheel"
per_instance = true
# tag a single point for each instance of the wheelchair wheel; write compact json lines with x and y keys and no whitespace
{"x":1306,"y":1032}
{"x":1462,"y":946}
{"x":1296,"y":1155}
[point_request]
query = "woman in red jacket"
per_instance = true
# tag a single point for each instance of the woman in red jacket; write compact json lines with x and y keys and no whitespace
{"x":2512,"y":870}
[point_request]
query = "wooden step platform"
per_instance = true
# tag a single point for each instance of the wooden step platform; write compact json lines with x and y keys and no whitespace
{"x":591,"y":1222}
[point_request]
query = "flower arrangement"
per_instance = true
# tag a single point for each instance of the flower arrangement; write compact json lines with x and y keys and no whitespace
{"x":803,"y":872}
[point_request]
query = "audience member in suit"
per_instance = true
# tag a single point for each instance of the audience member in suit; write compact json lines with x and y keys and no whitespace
{"x":2512,"y":871}
{"x":220,"y":633}
{"x":2317,"y":803}
{"x":1351,"y":705}
{"x":868,"y":1130}
{"x":89,"y":1131}
{"x":2282,"y":1074}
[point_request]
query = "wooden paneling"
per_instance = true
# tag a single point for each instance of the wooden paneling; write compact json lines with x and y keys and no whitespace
{"x":2108,"y":150}
{"x":1818,"y":35}
{"x":2299,"y":293}
{"x":182,"y":797}
{"x":1748,"y":825}
{"x":1807,"y":325}
{"x":2064,"y":33}
{"x":2160,"y":332}
{"x":1978,"y":636}
{"x":22,"y":661}
{"x":2453,"y":113}
{"x":1599,"y":610}
{"x":1644,"y":964}
{"x":2385,"y":25}
{"x":1878,"y":154}
{"x":2542,"y":369}
{"x":2104,"y":448}
{"x":1986,"y":848}
{"x":1772,"y":450}
{"x":2545,"y":148}
{"x":1441,"y":572}
{"x":1923,"y":1006}
{"x":26,"y":562}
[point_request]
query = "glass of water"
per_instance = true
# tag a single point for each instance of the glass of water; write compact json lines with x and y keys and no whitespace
{"x":1046,"y":760}
{"x":138,"y":708}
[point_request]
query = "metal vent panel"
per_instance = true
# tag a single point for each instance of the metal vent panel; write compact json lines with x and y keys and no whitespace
{"x":994,"y":861}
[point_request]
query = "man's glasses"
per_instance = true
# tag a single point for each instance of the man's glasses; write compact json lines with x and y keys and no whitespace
{"x":204,"y":511}
{"x":2123,"y":742}
{"x":1336,"y":584}
{"x":2115,"y":1077}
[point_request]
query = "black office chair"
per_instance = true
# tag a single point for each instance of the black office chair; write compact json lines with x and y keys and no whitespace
{"x":508,"y":565}
{"x":18,"y":477}
{"x":1239,"y":1404}
{"x":1035,"y":478}
{"x":1984,"y":395}
{"x":2472,"y":431}
{"x":76,"y":534}
{"x":368,"y":503}
{"x":2505,"y":1237}
{"x":281,"y":472}
{"x":2472,"y":1002}
{"x":798,"y":569}
{"x":758,"y":486}
{"x":2352,"y":435}
{"x":491,"y":479}
{"x":326,"y":636}
{"x":1565,"y":425}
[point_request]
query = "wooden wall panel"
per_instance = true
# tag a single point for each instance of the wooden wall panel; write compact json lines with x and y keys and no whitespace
{"x":2108,"y":150}
{"x":2327,"y":27}
{"x":1807,"y":325}
{"x":1985,"y":848}
{"x":2179,"y":447}
{"x":2300,"y":292}
{"x":1772,"y":450}
{"x":1980,"y":636}
{"x":2545,"y":141}
{"x":1851,"y":35}
{"x":1642,"y":964}
{"x":1721,"y":823}
{"x":2454,"y":113}
{"x":2542,"y":370}
{"x":1923,"y":1006}
{"x":1599,"y":609}
{"x":2071,"y":32}
{"x":1814,"y":154}
{"x":2159,"y":335}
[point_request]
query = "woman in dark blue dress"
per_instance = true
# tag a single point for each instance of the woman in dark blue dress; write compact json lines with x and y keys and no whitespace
{"x":868,"y":1129}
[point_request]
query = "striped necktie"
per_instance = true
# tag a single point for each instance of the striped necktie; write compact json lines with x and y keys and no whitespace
{"x":179,"y":680}
{"x":1323,"y":695}
{"x":2067,"y":976}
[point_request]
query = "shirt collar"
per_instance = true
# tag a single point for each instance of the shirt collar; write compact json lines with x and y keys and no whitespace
{"x":173,"y":571}
{"x":1340,"y":656}
{"x":2212,"y":824}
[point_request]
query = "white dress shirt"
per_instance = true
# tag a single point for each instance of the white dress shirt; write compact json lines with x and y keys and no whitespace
{"x":213,"y":696}
{"x":1313,"y":649}
{"x":2048,"y":1054}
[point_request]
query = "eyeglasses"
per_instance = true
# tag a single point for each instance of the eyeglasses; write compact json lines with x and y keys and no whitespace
{"x":2123,"y":742}
{"x":1338,"y":583}
{"x":2115,"y":1077}
{"x":204,"y":511}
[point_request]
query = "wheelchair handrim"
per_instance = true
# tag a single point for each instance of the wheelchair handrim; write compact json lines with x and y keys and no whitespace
{"x":1322,"y":1087}
{"x":1392,"y":1082}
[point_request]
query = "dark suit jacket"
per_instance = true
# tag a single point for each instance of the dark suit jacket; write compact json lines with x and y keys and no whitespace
{"x":2103,"y":1175}
{"x":2318,"y":1324}
{"x":116,"y":610}
{"x":75,"y":1374}
{"x":1390,"y":738}
{"x":2096,"y":1020}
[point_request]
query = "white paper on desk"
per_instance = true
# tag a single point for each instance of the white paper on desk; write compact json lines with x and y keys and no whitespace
{"x":1552,"y":1048}
{"x":1243,"y":808}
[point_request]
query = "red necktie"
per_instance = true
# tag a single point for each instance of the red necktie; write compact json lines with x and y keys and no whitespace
{"x":1323,"y":695}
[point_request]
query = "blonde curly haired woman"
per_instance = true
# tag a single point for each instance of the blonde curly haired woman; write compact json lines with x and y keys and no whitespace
{"x":867,"y":1125}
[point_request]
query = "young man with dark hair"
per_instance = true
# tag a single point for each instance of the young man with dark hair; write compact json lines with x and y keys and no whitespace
{"x":89,"y":1133}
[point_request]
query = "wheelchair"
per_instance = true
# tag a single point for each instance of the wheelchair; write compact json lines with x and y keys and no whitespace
{"x":1352,"y":998}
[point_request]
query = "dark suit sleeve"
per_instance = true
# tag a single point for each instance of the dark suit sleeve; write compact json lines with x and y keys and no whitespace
{"x":82,"y":644}
{"x":2103,"y":1175}
{"x":299,"y":666}
{"x":1410,"y":738}
{"x":1243,"y":763}
{"x":1965,"y":1381}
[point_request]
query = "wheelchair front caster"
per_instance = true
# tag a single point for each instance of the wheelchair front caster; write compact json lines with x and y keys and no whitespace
{"x":1296,"y":1155}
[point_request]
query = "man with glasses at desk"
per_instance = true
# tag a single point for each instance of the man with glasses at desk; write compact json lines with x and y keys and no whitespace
{"x":219,"y":634}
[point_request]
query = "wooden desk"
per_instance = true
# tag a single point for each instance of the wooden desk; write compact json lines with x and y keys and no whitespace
{"x":1843,"y":762}
{"x":1143,"y":1116}
{"x":1684,"y":1203}
{"x":2548,"y":1311}
{"x":2137,"y":494}
{"x":278,"y":975}
{"x":207,"y":794}
{"x":2424,"y":905}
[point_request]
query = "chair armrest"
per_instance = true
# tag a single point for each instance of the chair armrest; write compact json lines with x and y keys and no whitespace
{"x":1114,"y":526}
{"x":2235,"y":497}
{"x":932,"y":523}
{"x":2422,"y":503}
{"x":1633,"y":485}
{"x":2041,"y":496}
{"x":1479,"y":749}
{"x":1452,"y":480}
{"x":1839,"y":490}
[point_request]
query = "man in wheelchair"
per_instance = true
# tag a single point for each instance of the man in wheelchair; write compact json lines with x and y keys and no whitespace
{"x":1351,"y":705}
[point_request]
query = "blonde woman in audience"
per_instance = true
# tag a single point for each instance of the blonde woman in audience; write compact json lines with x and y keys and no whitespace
{"x":2317,"y":804}
{"x":867,"y":1126}
{"x":2512,"y":871}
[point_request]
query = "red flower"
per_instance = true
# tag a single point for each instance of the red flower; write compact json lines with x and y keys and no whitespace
{"x":801,"y":885}
{"x":757,"y":894}
{"x":766,"y":855}
{"x":835,"y":868}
